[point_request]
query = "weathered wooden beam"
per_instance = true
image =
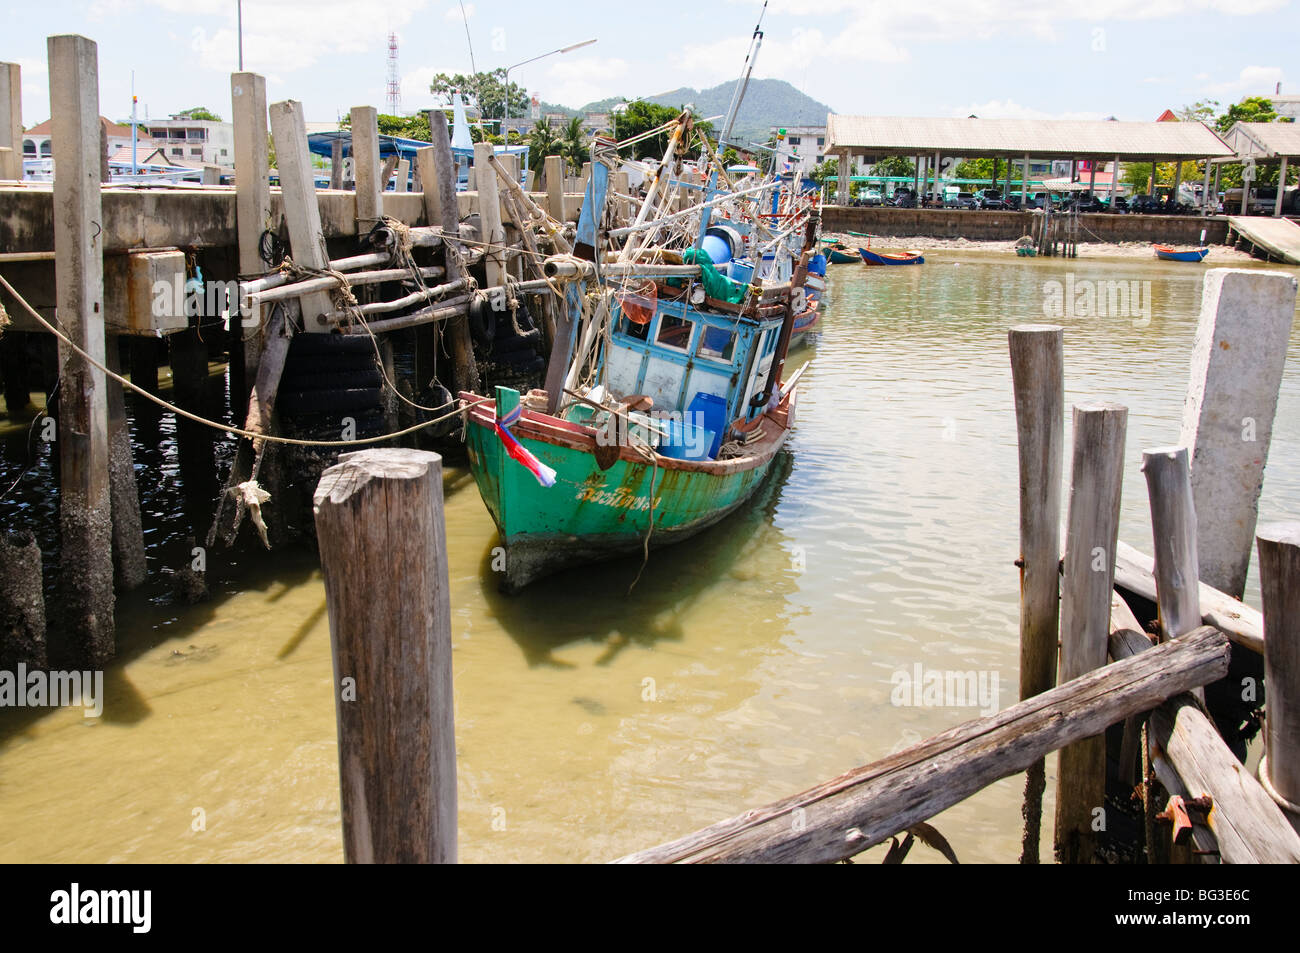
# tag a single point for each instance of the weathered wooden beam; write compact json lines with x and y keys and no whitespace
{"x":844,"y":816}
{"x":11,"y":120}
{"x":1173,"y":525}
{"x":464,"y":369}
{"x":86,"y":562}
{"x":302,"y":213}
{"x":428,"y":167}
{"x":1237,"y":360}
{"x":553,"y":169}
{"x":1279,"y":575}
{"x":1248,"y":826}
{"x":366,"y":167}
{"x":128,"y":532}
{"x":1093,"y":527}
{"x":252,"y":194}
{"x":1038,"y":379}
{"x":383,"y":545}
{"x":1135,"y":572}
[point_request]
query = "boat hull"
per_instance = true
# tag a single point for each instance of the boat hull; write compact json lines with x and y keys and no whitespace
{"x":890,"y":258}
{"x":838,"y":257}
{"x":592,"y":514}
{"x":1165,"y":253}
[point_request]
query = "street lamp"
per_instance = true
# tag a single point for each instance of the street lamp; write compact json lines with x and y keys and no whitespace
{"x":565,"y":49}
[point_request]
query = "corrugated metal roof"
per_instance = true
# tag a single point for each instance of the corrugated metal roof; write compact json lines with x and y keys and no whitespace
{"x":1041,"y":138}
{"x":1265,"y":140}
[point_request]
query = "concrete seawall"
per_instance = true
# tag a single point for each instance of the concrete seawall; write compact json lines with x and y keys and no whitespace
{"x":1008,"y":226}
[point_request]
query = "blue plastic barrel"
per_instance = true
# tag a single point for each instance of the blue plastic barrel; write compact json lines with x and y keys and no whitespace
{"x":817,"y":265}
{"x":713,"y":411}
{"x":684,"y":441}
{"x":717,"y":248}
{"x":741,"y":271}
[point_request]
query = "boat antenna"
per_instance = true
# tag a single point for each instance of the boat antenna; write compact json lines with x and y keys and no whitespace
{"x":472,"y":68}
{"x":742,"y":84}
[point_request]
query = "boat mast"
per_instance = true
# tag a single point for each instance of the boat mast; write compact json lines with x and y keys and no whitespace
{"x":737,"y":96}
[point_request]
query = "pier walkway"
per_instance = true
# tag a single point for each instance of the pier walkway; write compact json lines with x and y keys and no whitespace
{"x":1277,"y":238}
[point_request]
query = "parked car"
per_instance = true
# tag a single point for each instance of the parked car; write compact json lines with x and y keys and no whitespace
{"x":1087,"y":202}
{"x":990,"y":199}
{"x":964,"y":200}
{"x":872,"y":197}
{"x":1143,"y":205}
{"x":1119,"y":205}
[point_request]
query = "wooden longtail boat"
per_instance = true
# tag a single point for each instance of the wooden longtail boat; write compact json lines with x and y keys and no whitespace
{"x":890,"y":257}
{"x":1166,"y":253}
{"x":841,"y":255}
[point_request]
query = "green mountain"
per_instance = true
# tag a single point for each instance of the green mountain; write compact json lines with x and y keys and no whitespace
{"x":768,"y":102}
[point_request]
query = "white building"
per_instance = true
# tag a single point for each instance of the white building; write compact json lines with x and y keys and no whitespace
{"x":1287,"y":106}
{"x":802,"y":147}
{"x":196,"y":140}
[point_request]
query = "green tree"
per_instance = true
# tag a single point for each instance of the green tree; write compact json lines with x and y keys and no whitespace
{"x":541,"y":143}
{"x":1250,"y":109}
{"x":1204,"y":110}
{"x":895,"y":166}
{"x":573,"y":144}
{"x":640,"y":117}
{"x":200,"y":114}
{"x":487,"y":89}
{"x":825,"y":172}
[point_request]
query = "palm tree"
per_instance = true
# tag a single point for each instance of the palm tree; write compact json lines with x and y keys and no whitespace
{"x":573,"y":144}
{"x":542,"y":143}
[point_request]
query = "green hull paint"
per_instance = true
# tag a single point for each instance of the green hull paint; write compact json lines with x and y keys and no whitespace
{"x":589,"y":513}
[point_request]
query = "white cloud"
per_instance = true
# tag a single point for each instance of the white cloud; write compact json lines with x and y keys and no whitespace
{"x":1252,"y":80}
{"x":577,"y":81}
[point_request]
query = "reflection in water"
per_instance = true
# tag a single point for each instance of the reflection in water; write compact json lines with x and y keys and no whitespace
{"x":748,"y":663}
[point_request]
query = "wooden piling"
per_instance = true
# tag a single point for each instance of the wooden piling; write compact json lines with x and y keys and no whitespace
{"x":1237,"y":360}
{"x":336,"y":164}
{"x":379,"y":521}
{"x":11,"y":121}
{"x":252,"y":199}
{"x":1038,"y":378}
{"x":128,"y":532}
{"x":1173,"y":524}
{"x":86,"y":563}
{"x":22,"y":602}
{"x":489,"y":210}
{"x":554,"y":170}
{"x":428,"y":171}
{"x":301,"y":211}
{"x":1092,"y":532}
{"x":1279,"y":574}
{"x":365,"y":166}
{"x":464,"y":369}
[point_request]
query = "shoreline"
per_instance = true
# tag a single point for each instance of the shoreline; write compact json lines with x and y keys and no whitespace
{"x":1219,"y":254}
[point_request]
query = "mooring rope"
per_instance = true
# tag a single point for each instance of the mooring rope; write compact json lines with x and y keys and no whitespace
{"x":216,"y":425}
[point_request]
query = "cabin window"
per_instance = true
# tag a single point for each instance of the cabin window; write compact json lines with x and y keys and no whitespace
{"x":633,"y":330}
{"x":675,"y":332}
{"x":717,"y":344}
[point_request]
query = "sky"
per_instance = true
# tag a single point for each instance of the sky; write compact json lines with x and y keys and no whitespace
{"x":994,"y":58}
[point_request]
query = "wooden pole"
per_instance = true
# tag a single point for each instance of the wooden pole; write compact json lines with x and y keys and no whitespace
{"x":427,"y":166}
{"x":1092,"y":532}
{"x":867,"y":805}
{"x":86,"y":565}
{"x":1237,"y":360}
{"x":128,"y":533}
{"x":302,"y":213}
{"x":464,"y":370}
{"x":1279,"y":574}
{"x":1038,"y":378}
{"x":554,"y":171}
{"x":22,"y":602}
{"x":336,"y":164}
{"x":365,"y":164}
{"x":489,"y":210}
{"x":383,"y":546}
{"x":11,"y":121}
{"x":1173,"y":524}
{"x":252,"y":197}
{"x":402,"y":182}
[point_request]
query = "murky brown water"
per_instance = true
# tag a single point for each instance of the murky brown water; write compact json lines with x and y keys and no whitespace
{"x":748,"y":664}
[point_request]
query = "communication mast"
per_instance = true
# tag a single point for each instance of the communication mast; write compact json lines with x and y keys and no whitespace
{"x":393,"y":97}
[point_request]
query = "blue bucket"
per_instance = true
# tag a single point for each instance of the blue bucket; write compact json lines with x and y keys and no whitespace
{"x":712,"y":410}
{"x":741,"y":271}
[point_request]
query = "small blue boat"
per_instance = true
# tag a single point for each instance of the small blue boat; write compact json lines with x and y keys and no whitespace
{"x":890,"y":257}
{"x":1165,"y":253}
